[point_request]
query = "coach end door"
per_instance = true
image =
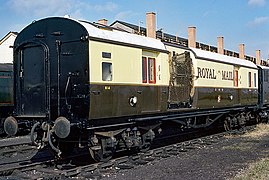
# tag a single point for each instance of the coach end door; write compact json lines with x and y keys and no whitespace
{"x":31,"y":79}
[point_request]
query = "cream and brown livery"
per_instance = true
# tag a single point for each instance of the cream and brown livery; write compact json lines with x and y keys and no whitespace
{"x":90,"y":85}
{"x":220,"y":81}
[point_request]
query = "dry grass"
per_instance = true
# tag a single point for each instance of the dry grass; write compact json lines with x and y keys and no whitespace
{"x":260,"y":131}
{"x":258,"y":170}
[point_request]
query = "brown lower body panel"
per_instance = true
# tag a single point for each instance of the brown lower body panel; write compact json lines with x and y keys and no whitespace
{"x":109,"y":101}
{"x":224,"y":97}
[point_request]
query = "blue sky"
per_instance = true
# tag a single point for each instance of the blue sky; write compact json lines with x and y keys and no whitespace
{"x":238,"y":21}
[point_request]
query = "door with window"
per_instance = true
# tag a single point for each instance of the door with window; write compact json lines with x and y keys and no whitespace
{"x":149,"y":91}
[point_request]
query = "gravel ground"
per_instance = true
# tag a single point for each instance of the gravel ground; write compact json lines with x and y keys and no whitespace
{"x":221,"y":160}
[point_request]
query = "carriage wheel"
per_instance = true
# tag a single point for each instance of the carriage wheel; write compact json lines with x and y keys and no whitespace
{"x":147,"y":139}
{"x":145,"y":147}
{"x":101,"y":153}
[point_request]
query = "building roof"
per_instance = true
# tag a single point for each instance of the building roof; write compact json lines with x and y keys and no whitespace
{"x":183,"y":41}
{"x":10,"y":33}
{"x":159,"y":33}
{"x":132,"y":26}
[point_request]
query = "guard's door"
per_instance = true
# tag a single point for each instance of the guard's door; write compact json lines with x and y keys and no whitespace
{"x":32,"y":80}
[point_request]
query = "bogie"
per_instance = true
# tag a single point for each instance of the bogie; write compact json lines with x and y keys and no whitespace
{"x":102,"y":148}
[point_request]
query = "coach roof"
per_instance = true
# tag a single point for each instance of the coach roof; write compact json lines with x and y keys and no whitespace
{"x":202,"y":54}
{"x":122,"y":37}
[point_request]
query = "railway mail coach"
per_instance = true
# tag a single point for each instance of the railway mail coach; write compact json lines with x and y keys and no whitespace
{"x":105,"y":89}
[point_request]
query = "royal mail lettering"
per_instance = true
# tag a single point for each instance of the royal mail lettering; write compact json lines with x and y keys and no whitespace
{"x":206,"y":73}
{"x":227,"y":75}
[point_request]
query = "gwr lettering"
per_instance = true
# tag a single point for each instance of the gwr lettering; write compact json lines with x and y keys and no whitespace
{"x":206,"y":73}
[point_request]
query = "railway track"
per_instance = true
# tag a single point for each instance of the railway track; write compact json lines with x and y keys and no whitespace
{"x":14,"y":141}
{"x":66,"y":168}
{"x":9,"y":146}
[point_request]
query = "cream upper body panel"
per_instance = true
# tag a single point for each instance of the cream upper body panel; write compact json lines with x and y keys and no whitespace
{"x":126,"y":64}
{"x":220,"y":71}
{"x":220,"y":75}
{"x":125,"y":52}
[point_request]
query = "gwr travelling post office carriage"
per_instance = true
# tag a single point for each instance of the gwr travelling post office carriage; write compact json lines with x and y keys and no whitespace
{"x":89,"y":85}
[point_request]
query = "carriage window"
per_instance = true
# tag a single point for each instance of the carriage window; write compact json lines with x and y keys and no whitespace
{"x":255,"y":81}
{"x":106,"y":71}
{"x":235,"y":78}
{"x":144,"y":70}
{"x":152,"y":70}
{"x":249,"y":79}
{"x":148,"y":70}
{"x":106,"y":55}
